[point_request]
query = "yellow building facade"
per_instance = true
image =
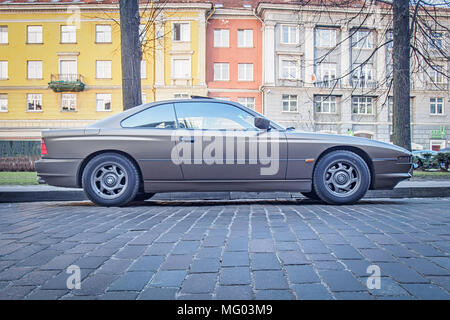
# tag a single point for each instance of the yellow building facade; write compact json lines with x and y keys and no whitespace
{"x":60,"y":65}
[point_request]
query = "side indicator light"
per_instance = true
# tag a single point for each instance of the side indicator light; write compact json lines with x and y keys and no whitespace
{"x":43,"y":148}
{"x":309,"y":160}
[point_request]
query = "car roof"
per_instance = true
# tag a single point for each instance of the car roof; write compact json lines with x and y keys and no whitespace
{"x":115,"y":120}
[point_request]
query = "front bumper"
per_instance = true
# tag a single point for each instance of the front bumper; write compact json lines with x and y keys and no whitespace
{"x":389,"y":173}
{"x":59,"y":172}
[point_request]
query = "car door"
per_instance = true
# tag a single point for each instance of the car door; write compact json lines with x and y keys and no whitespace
{"x":218,"y":141}
{"x":149,"y":139}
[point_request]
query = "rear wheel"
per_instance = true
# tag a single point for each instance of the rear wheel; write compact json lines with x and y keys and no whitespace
{"x":110,"y":179}
{"x":341,"y":177}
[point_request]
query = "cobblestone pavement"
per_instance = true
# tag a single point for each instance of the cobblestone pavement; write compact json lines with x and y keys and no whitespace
{"x":226,"y":250}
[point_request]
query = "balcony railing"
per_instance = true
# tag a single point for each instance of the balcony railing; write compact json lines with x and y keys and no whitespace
{"x":369,"y":84}
{"x":328,"y":84}
{"x":439,"y":86}
{"x":66,"y":82}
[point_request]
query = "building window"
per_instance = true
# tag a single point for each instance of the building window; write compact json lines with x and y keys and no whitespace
{"x":362,"y":105}
{"x":362,"y":39}
{"x":103,"y":33}
{"x":289,"y":34}
{"x":34,"y":102}
{"x":34,"y":34}
{"x":103,"y":69}
{"x":34,"y":69}
{"x":142,"y":33}
{"x":325,"y":38}
{"x":221,"y":38}
{"x":3,"y":34}
{"x":3,"y":102}
{"x":3,"y":70}
{"x":68,"y":34}
{"x":289,"y":69}
{"x":68,"y":102}
{"x":245,"y":72}
{"x":245,"y":38}
{"x":390,"y":37}
{"x":436,"y":74}
{"x":143,"y":69}
{"x":67,"y":70}
{"x":248,"y":102}
{"x":390,"y":105}
{"x":181,"y":68}
{"x":363,"y":74}
{"x":436,"y":41}
{"x":289,"y":102}
{"x":221,"y":71}
{"x":181,"y":96}
{"x":436,"y":106}
{"x":143,"y":97}
{"x":325,"y":104}
{"x":327,"y":72}
{"x":181,"y":32}
{"x":103,"y":102}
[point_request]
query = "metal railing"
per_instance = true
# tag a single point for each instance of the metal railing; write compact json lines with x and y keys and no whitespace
{"x":66,"y":77}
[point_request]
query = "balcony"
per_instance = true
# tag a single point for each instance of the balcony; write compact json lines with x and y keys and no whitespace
{"x":360,"y":83}
{"x":437,"y":86}
{"x":66,"y":83}
{"x":330,"y":84}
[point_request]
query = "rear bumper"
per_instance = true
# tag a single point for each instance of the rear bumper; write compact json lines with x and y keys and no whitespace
{"x":59,"y":172}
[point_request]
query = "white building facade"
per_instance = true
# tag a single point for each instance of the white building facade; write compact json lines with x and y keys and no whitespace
{"x":322,"y":72}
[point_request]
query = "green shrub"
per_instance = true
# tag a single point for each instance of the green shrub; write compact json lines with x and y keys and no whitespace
{"x":18,"y":155}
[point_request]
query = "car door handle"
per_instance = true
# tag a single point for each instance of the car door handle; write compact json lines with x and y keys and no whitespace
{"x":186,"y":139}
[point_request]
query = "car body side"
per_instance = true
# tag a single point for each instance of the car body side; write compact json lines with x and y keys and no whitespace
{"x":70,"y":150}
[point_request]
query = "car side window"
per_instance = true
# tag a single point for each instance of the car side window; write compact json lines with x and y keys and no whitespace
{"x":160,"y":117}
{"x":213,"y":116}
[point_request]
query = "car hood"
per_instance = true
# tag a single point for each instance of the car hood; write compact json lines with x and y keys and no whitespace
{"x":345,"y":140}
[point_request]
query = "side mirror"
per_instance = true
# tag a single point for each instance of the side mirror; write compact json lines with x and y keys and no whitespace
{"x":262,"y":123}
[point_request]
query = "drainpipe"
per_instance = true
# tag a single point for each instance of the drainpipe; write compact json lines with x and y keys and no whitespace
{"x":261,"y":89}
{"x":211,"y":13}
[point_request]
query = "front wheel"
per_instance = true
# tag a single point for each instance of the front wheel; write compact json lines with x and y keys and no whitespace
{"x":341,"y":177}
{"x":110,"y":180}
{"x":311,"y":195}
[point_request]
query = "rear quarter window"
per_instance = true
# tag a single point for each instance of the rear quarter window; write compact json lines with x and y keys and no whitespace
{"x":158,"y":117}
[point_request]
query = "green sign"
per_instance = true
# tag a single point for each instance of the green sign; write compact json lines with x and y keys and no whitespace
{"x":439,"y":134}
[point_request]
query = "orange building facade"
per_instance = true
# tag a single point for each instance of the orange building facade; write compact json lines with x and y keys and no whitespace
{"x":234,"y":56}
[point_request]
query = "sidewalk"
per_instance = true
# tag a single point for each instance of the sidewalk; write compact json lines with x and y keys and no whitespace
{"x":405,"y":189}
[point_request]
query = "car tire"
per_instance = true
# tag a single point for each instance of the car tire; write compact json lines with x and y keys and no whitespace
{"x":341,"y":177}
{"x":143,"y":196}
{"x":311,"y":195}
{"x":110,"y":180}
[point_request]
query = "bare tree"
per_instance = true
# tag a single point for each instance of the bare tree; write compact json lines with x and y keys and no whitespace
{"x":401,"y":80}
{"x":131,"y":53}
{"x":414,"y":35}
{"x":141,"y":33}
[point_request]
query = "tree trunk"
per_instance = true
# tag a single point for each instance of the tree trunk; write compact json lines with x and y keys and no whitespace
{"x":401,"y":58}
{"x":131,"y":53}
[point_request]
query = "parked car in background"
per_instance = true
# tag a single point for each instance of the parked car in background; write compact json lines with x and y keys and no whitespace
{"x":177,"y":145}
{"x":444,"y":150}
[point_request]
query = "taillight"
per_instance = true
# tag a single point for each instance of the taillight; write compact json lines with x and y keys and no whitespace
{"x":43,"y":148}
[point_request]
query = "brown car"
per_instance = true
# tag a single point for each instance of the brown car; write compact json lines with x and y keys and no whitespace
{"x":205,"y":144}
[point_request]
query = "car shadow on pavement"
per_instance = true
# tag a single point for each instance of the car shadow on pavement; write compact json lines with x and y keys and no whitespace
{"x":200,"y":203}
